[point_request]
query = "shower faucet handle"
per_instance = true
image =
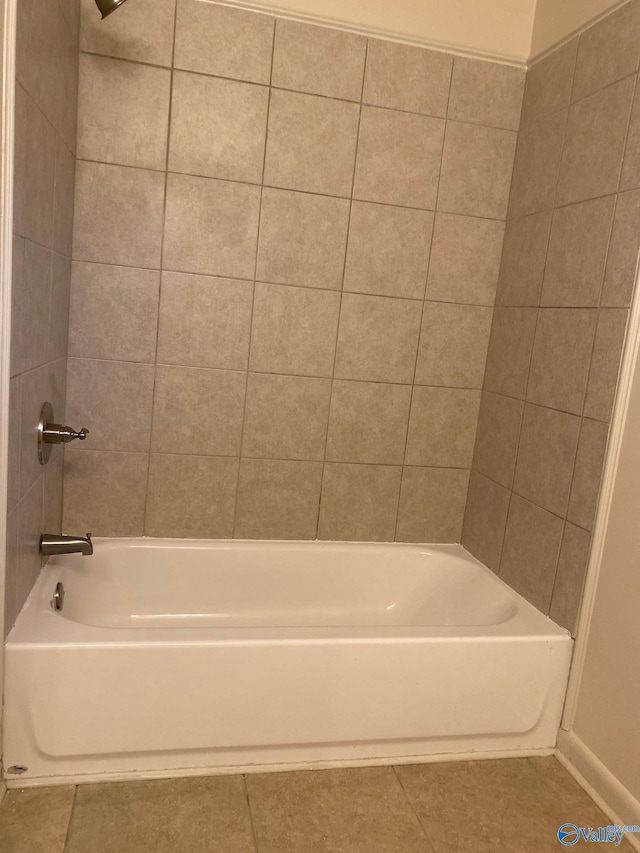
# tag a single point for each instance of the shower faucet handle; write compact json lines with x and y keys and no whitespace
{"x":57,"y":434}
{"x":51,"y":433}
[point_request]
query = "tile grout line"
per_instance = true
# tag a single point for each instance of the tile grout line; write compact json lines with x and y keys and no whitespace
{"x":394,"y":767}
{"x":530,"y":360}
{"x":424,"y":303}
{"x":325,"y":461}
{"x":67,"y":836}
{"x":164,"y":229}
{"x":593,"y":348}
{"x":254,"y":835}
{"x":255,"y":279}
{"x":434,"y":116}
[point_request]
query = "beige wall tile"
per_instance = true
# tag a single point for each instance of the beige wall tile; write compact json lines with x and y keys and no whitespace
{"x":71,"y":11}
{"x":191,"y":496}
{"x":30,"y":528}
{"x":388,"y":250}
{"x":432,"y":503}
{"x":141,"y":31}
{"x":368,"y":422}
{"x":118,"y":215}
{"x":47,"y":63}
{"x":572,"y":570}
{"x":318,"y":60}
{"x":465,"y":259}
{"x":53,"y":488}
{"x":123,"y":112}
{"x":512,"y":335}
{"x":442,"y":427}
{"x":608,"y":51}
{"x":63,"y":199}
{"x":497,"y":438}
{"x":218,"y":127}
{"x":377,"y":338}
{"x":38,"y":386}
{"x":523,"y":260}
{"x":286,"y":417}
{"x":311,"y":143}
{"x":398,"y":158}
{"x":113,"y":400}
{"x":104,"y":492}
{"x":31,"y":295}
{"x":14,"y":442}
{"x":560,"y":358}
{"x":585,"y":488}
{"x":535,"y":171}
{"x":294,"y":330}
{"x":113,"y":312}
{"x":454,"y":340}
{"x":549,"y":82}
{"x":605,"y":364}
{"x":630,"y":178}
{"x":594,"y":144}
{"x":546,"y":455}
{"x":485,"y":520}
{"x":211,"y":226}
{"x":303,"y":239}
{"x":278,"y":500}
{"x":220,"y":40}
{"x":622,"y":260}
{"x":59,"y":308}
{"x":407,"y":78}
{"x":34,"y":179}
{"x":530,"y":552}
{"x":359,"y":503}
{"x":11,"y":571}
{"x":197,"y":411}
{"x":17,"y":293}
{"x":486,"y":93}
{"x":477,"y":163}
{"x":577,"y":253}
{"x":204,"y":322}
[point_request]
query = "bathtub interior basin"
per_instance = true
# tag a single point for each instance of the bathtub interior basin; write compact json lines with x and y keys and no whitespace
{"x":182,"y":584}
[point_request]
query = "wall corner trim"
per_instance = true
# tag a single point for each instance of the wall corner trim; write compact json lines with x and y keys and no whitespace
{"x":616,"y":801}
{"x":284,"y":11}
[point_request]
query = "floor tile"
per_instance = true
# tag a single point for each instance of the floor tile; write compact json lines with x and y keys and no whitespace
{"x":498,"y":806}
{"x":35,"y":820}
{"x":333,"y":811}
{"x":167,"y":816}
{"x":580,"y":808}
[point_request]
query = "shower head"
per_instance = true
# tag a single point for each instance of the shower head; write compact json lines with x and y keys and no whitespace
{"x":106,"y":7}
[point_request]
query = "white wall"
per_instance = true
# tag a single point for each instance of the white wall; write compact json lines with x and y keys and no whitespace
{"x":557,"y":19}
{"x":607,"y":713}
{"x":497,"y":28}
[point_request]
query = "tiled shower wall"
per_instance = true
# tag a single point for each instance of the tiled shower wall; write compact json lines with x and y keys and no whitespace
{"x":566,"y":284}
{"x":45,"y":139}
{"x":286,"y":251}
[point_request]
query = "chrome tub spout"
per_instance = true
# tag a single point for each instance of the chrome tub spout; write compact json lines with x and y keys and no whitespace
{"x":52,"y":544}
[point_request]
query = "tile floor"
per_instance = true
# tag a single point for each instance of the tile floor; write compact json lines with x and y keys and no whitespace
{"x":514,"y":805}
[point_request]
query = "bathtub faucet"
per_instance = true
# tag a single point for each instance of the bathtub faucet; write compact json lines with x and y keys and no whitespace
{"x":51,"y":544}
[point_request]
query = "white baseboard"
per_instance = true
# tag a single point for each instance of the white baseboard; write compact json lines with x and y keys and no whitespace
{"x":602,"y":786}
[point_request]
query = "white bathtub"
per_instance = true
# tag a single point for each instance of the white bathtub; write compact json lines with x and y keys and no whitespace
{"x":174,"y":657}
